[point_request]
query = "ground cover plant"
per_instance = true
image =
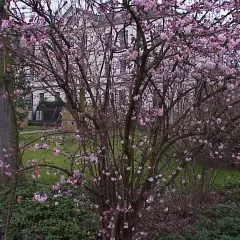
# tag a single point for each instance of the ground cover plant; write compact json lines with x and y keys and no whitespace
{"x":66,"y":214}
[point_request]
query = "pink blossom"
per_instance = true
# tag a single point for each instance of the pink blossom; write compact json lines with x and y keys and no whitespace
{"x":45,"y":146}
{"x":135,"y":98}
{"x":149,"y":199}
{"x":159,"y":112}
{"x":5,"y":24}
{"x":36,"y":147}
{"x":210,"y":65}
{"x":163,"y":36}
{"x":93,"y":159}
{"x":219,"y":120}
{"x":141,"y":122}
{"x":72,"y":181}
{"x":56,"y":151}
{"x":132,"y":55}
{"x":188,"y":29}
{"x":55,"y":187}
{"x":18,"y":91}
{"x":230,"y":86}
{"x":23,"y":42}
{"x":19,"y":199}
{"x":38,"y":198}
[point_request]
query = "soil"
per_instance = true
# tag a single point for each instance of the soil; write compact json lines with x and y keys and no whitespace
{"x":174,"y":214}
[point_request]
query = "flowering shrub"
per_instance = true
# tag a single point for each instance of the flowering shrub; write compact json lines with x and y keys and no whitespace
{"x":180,"y":75}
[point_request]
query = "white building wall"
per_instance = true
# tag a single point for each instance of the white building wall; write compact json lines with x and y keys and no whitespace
{"x":95,"y":50}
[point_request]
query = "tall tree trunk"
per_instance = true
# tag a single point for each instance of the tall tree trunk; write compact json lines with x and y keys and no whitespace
{"x":9,"y":152}
{"x":8,"y":141}
{"x":6,"y":131}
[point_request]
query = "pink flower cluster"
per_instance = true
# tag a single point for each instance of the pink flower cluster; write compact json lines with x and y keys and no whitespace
{"x":38,"y":198}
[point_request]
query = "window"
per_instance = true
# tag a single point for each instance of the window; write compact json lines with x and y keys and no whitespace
{"x":57,"y":96}
{"x":101,"y":17}
{"x":84,"y":40}
{"x":41,"y":97}
{"x":107,"y":38}
{"x":122,"y":97}
{"x":159,"y":30}
{"x":2,"y":9}
{"x":123,"y":66}
{"x":156,"y":99}
{"x":30,"y":106}
{"x":133,"y":39}
{"x":107,"y":68}
{"x":124,"y":39}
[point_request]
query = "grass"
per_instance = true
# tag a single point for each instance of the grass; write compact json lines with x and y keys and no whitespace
{"x":34,"y":128}
{"x":227,"y":178}
{"x":69,"y":149}
{"x":64,"y":159}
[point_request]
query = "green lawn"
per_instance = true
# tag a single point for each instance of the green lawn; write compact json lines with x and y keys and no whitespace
{"x":68,"y":149}
{"x":34,"y":128}
{"x":228,"y":177}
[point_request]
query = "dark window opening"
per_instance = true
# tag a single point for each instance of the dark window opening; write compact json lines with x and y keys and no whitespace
{"x":57,"y":96}
{"x":157,"y":103}
{"x":123,"y":66}
{"x":41,"y":97}
{"x":107,"y":38}
{"x":124,"y":39}
{"x":107,"y":68}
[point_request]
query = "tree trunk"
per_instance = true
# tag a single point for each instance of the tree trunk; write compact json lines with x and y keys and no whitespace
{"x":118,"y":226}
{"x":9,"y":151}
{"x":7,"y":141}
